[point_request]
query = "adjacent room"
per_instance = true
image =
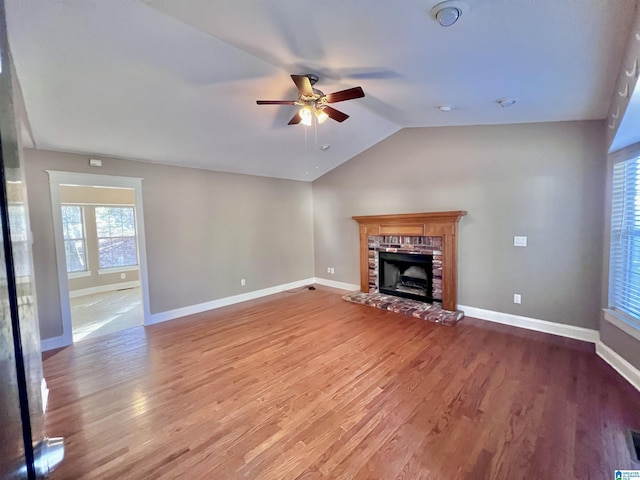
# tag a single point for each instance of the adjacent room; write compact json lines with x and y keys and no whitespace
{"x":101,"y":255}
{"x":339,"y":240}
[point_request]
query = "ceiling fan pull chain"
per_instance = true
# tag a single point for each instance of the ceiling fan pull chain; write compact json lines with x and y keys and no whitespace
{"x":315,"y":132}
{"x":306,"y":146}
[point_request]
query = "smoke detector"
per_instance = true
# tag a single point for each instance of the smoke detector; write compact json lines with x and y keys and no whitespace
{"x":447,"y":13}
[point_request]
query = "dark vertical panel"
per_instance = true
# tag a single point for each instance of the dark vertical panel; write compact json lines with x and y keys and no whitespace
{"x":21,"y":414}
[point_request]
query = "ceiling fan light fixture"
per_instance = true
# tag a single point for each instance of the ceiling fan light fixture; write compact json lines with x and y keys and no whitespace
{"x":321,"y":116}
{"x":449,"y":12}
{"x":306,"y":116}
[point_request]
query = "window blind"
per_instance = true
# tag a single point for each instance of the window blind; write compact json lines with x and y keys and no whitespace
{"x":624,"y":274}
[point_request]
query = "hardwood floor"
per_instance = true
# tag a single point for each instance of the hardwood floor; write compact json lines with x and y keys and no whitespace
{"x":309,"y":386}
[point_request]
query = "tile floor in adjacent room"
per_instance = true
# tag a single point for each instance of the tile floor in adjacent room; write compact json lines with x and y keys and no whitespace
{"x":101,"y":313}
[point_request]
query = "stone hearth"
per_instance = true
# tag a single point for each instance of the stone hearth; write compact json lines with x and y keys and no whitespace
{"x":432,"y":312}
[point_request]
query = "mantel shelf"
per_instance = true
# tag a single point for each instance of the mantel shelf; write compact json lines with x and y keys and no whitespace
{"x":425,"y":217}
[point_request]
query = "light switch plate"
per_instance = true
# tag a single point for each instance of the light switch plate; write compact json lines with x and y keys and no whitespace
{"x":519,"y":241}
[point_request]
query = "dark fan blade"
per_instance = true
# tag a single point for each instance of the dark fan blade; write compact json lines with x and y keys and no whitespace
{"x":275,"y":102}
{"x":337,"y":115}
{"x":303,"y":84}
{"x":349,"y":94}
{"x":296,"y":119}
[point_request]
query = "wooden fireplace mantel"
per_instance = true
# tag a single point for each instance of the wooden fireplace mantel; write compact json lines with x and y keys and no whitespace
{"x":428,"y":224}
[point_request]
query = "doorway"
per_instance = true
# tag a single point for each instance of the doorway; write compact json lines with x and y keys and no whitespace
{"x":100,"y":251}
{"x":100,"y":239}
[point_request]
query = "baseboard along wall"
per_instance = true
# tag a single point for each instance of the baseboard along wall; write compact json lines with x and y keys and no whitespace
{"x":223,"y":302}
{"x":51,"y":343}
{"x":103,"y":288}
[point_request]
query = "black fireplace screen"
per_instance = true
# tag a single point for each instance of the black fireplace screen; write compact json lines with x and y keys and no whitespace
{"x":406,"y":275}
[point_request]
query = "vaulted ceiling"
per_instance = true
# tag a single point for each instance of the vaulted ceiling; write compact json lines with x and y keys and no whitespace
{"x":175,"y":81}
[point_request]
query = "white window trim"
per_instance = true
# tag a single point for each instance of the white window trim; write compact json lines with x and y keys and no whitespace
{"x":86,"y":273}
{"x":106,"y":271}
{"x":620,"y":320}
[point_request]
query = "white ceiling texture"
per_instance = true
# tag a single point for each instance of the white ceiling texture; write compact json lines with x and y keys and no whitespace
{"x":176,"y":81}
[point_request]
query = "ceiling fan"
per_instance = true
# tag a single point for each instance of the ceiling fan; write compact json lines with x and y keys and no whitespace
{"x":314,"y":103}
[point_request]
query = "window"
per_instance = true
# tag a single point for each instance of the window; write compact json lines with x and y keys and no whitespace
{"x":74,"y":238}
{"x":624,"y":261}
{"x":116,"y":228}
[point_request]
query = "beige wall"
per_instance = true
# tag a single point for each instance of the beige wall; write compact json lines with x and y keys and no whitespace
{"x":88,"y":198}
{"x":545,"y":181}
{"x":204,"y":231}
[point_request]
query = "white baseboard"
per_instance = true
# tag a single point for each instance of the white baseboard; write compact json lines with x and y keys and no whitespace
{"x":52,"y":343}
{"x":332,"y":283}
{"x":103,"y":288}
{"x":619,"y":364}
{"x":223,"y":302}
{"x":569,"y":331}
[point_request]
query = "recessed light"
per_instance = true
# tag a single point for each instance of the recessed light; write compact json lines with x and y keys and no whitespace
{"x":325,"y":147}
{"x":506,"y":102}
{"x":446,"y":108}
{"x":449,"y":12}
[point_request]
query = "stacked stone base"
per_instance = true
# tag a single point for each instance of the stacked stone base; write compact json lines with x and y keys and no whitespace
{"x":432,"y":312}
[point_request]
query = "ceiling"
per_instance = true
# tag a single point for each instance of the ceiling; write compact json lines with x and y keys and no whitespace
{"x":175,"y":81}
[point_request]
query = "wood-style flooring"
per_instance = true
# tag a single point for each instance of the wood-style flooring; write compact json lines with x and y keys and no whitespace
{"x":308,"y":386}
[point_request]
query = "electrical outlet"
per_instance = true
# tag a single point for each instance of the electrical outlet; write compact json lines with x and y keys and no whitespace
{"x":332,"y":271}
{"x":243,"y":282}
{"x":123,"y":276}
{"x":328,"y":269}
{"x":517,"y":298}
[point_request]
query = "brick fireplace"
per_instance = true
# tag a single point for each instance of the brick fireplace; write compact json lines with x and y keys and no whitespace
{"x":410,"y":245}
{"x":430,"y":233}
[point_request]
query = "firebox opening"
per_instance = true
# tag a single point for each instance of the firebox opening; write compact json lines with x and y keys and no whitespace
{"x":406,"y":275}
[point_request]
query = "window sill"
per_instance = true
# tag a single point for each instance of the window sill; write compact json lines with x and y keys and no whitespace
{"x":626,"y":325}
{"x":107,"y":271}
{"x":79,"y":274}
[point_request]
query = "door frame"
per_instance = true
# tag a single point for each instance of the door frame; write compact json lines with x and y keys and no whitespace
{"x":58,"y":178}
